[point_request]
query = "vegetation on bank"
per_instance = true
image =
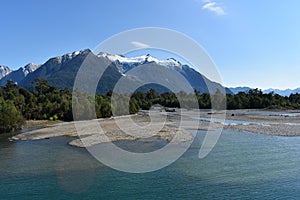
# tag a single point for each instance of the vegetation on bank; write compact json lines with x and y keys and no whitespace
{"x":47,"y":102}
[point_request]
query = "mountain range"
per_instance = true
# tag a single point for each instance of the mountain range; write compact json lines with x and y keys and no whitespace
{"x":17,"y":75}
{"x":286,"y":92}
{"x":61,"y":71}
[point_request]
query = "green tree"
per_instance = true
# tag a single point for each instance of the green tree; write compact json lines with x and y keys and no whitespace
{"x":10,"y":118}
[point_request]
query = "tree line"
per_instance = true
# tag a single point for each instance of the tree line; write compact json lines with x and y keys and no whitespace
{"x":47,"y":102}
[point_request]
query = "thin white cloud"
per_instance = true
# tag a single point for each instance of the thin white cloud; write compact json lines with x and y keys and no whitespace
{"x":213,"y":7}
{"x":140,"y":44}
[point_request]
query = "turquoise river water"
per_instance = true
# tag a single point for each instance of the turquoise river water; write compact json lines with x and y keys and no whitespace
{"x":241,"y":166}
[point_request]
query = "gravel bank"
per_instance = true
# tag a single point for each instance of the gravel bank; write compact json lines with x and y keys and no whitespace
{"x":169,"y":127}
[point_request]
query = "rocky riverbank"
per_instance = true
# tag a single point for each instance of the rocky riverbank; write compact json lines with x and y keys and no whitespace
{"x":169,"y":126}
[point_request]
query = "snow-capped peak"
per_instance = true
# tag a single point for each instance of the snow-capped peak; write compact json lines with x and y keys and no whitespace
{"x":30,"y":68}
{"x":129,"y":63}
{"x":70,"y":56}
{"x":75,"y":53}
{"x":4,"y":71}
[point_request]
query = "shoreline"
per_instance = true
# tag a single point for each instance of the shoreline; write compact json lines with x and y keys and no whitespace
{"x":269,"y":122}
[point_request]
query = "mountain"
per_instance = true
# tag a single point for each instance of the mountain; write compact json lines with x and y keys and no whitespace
{"x":57,"y":70}
{"x":62,"y":70}
{"x":286,"y":92}
{"x":236,"y":90}
{"x":195,"y":79}
{"x":18,"y":75}
{"x":4,"y":71}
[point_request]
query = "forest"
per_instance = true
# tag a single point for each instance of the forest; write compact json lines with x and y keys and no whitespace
{"x":47,"y":102}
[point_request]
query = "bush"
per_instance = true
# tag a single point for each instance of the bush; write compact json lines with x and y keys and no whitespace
{"x":55,"y":117}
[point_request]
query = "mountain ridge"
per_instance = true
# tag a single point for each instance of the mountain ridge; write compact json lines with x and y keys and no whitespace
{"x":284,"y":92}
{"x":19,"y":74}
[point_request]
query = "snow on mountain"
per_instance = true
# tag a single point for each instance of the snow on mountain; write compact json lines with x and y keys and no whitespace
{"x":4,"y":71}
{"x":69,"y":56}
{"x":30,"y":68}
{"x":128,"y":63}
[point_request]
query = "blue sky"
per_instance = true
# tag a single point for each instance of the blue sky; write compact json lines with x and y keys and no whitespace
{"x":253,"y":43}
